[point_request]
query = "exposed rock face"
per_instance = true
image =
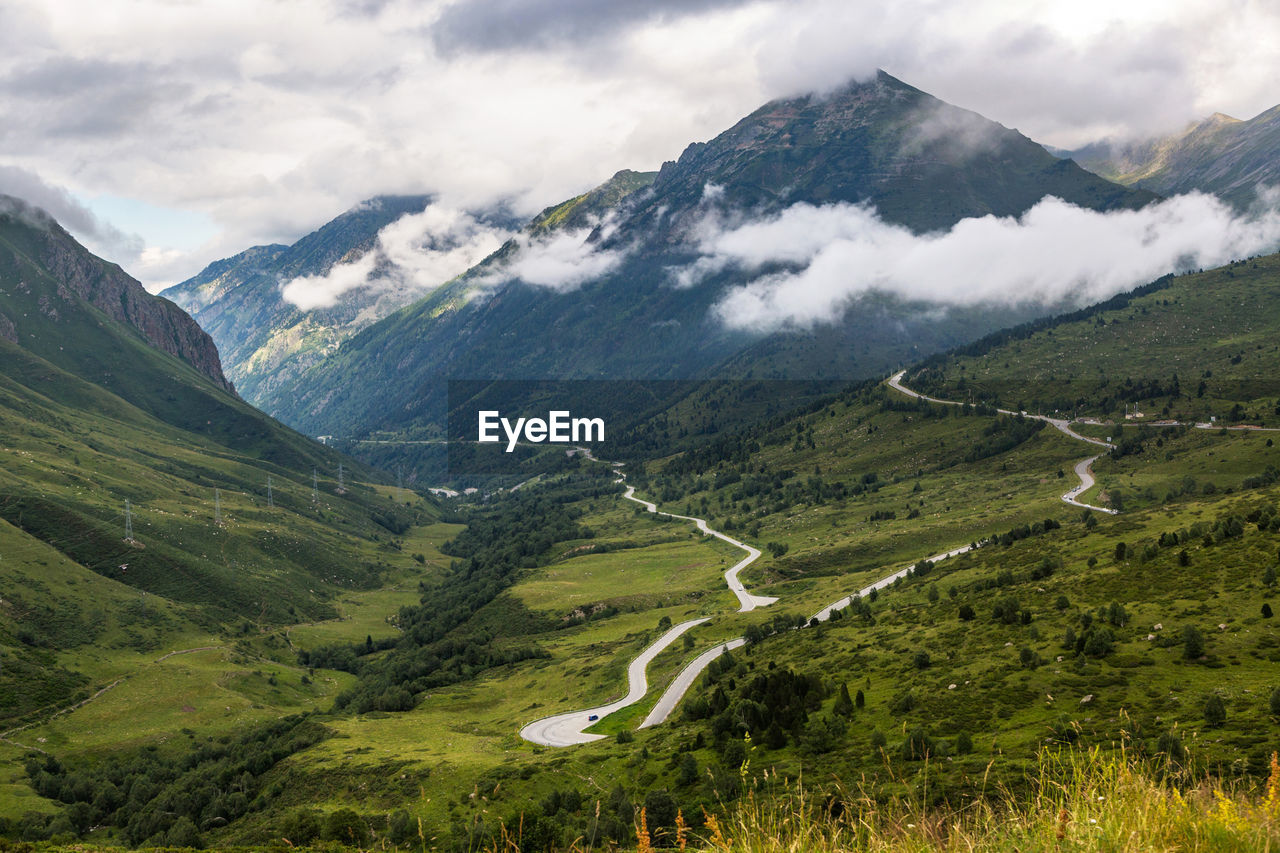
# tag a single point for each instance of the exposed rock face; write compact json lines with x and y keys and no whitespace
{"x":104,"y":285}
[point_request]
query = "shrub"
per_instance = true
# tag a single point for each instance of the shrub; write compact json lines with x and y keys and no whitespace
{"x":1192,"y":643}
{"x":1215,"y":712}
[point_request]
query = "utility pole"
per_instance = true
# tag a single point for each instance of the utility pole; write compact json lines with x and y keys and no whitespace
{"x":217,"y":507}
{"x":270,"y":498}
{"x":128,"y":521}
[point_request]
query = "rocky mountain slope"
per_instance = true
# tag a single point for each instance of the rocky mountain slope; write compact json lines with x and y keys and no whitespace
{"x":33,"y":245}
{"x":266,"y":339}
{"x":602,"y":298}
{"x":1221,"y":155}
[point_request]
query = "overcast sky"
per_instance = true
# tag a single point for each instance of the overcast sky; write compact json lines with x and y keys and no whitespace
{"x":169,"y":134}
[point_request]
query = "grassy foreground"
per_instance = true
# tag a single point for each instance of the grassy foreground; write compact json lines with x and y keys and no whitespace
{"x":1079,"y":800}
{"x":1086,"y":800}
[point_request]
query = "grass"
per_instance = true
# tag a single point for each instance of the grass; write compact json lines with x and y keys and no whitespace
{"x":1217,"y":327}
{"x":1085,"y":801}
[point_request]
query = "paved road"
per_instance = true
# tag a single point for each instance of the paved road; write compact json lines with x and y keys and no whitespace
{"x":746,"y":600}
{"x":675,"y":692}
{"x":1082,"y":467}
{"x":568,"y":729}
{"x":667,"y":703}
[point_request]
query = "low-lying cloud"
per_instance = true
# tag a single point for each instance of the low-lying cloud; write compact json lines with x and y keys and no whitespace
{"x":561,"y":261}
{"x":65,"y":209}
{"x":414,"y":255}
{"x":813,"y":263}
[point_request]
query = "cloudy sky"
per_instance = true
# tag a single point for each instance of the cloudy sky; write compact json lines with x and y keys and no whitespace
{"x":169,"y":134}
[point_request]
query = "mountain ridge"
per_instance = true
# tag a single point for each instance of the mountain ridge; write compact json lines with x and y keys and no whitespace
{"x":1222,"y":155}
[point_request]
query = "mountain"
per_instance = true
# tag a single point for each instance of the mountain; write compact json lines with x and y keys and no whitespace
{"x":1221,"y":155}
{"x":267,"y":340}
{"x":33,"y":245}
{"x":539,"y":308}
{"x":141,"y":500}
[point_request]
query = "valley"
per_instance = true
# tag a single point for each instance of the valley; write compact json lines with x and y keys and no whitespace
{"x":920,"y":492}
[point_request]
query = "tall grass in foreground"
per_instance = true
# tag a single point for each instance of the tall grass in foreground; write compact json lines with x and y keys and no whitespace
{"x":1087,"y":801}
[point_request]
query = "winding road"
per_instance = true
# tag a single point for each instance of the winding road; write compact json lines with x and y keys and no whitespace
{"x":1083,"y":467}
{"x":569,"y":729}
{"x":748,"y":601}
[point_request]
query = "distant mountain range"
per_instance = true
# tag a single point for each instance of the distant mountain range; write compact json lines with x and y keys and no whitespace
{"x":268,"y":341}
{"x":1221,"y":155}
{"x":921,"y":163}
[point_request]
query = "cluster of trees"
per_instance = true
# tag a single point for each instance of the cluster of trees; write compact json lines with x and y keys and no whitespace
{"x":1003,"y":434}
{"x":439,"y":643}
{"x":161,"y":798}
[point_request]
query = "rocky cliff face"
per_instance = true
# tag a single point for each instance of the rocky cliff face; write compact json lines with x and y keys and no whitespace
{"x":82,"y":275}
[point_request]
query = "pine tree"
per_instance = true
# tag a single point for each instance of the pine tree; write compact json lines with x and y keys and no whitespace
{"x":843,"y":705}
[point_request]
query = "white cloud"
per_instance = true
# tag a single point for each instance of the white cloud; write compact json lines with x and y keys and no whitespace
{"x":1054,"y":252}
{"x":414,"y":255}
{"x":561,"y":261}
{"x":272,"y":118}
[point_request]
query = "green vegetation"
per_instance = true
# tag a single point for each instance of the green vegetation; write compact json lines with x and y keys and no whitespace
{"x":355,"y":671}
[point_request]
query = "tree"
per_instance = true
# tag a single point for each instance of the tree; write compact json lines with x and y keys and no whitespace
{"x":302,"y":827}
{"x":1099,"y":642}
{"x":1266,"y":610}
{"x":346,"y":826}
{"x":965,"y":613}
{"x":917,"y":746}
{"x":1192,"y":643}
{"x":1215,"y":712}
{"x":688,"y":770}
{"x":1116,"y":614}
{"x":1275,"y":702}
{"x":921,"y":659}
{"x":660,"y":811}
{"x":183,"y":833}
{"x":1028,"y":657}
{"x":964,"y":743}
{"x":843,"y":705}
{"x":1171,"y":745}
{"x":878,"y":740}
{"x":859,"y":700}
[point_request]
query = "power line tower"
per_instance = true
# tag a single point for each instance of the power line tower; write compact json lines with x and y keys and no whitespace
{"x":399,"y":482}
{"x":128,"y":521}
{"x":342,"y":483}
{"x":270,"y":497}
{"x":217,"y":507}
{"x":315,"y":487}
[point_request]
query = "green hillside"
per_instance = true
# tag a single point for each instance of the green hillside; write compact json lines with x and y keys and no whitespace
{"x":1188,"y":348}
{"x":147,"y":512}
